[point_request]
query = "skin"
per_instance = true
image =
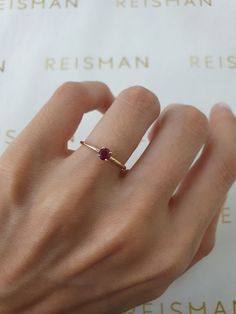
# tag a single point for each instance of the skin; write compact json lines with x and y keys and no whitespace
{"x":76,"y":236}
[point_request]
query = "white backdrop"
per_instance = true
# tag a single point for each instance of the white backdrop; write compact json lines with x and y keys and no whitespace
{"x":183,"y":50}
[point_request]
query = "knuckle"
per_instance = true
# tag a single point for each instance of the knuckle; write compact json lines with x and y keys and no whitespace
{"x":66,"y":88}
{"x":70,"y":92}
{"x":141,"y":99}
{"x":103,"y":86}
{"x":195,"y":121}
{"x":226,"y":170}
{"x":208,"y":247}
{"x":174,"y":259}
{"x":181,"y":259}
{"x":174,"y":266}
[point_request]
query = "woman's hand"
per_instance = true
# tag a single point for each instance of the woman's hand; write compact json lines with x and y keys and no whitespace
{"x":77,"y":237}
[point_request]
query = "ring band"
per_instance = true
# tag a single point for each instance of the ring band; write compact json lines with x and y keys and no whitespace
{"x":104,"y":153}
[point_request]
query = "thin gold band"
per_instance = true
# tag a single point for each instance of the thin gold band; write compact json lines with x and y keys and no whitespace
{"x":98,"y":150}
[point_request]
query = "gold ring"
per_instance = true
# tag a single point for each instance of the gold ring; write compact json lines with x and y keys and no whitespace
{"x":104,"y":153}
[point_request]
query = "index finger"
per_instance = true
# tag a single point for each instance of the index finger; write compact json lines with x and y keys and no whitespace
{"x":58,"y":119}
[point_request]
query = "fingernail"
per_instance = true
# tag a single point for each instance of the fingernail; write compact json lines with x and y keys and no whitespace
{"x":223,"y":105}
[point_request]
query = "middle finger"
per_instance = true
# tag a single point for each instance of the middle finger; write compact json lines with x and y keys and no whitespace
{"x":179,"y":133}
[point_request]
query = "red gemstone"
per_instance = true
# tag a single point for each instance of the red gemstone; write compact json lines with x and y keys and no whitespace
{"x":104,"y":153}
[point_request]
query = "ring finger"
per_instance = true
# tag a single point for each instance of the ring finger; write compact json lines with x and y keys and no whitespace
{"x":121,"y":128}
{"x":178,"y":135}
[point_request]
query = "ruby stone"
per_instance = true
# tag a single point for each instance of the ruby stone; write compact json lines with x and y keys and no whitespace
{"x":104,"y":153}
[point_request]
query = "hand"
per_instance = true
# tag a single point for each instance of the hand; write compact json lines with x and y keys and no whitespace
{"x":77,"y":237}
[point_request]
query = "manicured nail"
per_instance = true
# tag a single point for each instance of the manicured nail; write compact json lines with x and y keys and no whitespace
{"x":223,"y":105}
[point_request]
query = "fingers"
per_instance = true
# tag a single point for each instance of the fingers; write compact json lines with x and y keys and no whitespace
{"x":205,"y":186}
{"x":59,"y":118}
{"x":178,"y":135}
{"x":123,"y":126}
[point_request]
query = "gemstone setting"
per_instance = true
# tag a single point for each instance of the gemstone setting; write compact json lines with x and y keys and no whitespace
{"x":104,"y":153}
